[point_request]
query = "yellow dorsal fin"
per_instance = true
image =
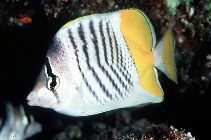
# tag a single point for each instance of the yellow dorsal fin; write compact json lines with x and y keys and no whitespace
{"x":140,"y":38}
{"x":139,"y":29}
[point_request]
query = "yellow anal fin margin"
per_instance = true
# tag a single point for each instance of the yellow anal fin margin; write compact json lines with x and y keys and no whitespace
{"x":150,"y":83}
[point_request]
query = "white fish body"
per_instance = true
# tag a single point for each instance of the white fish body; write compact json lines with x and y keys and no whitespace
{"x":92,"y":66}
{"x":17,"y":125}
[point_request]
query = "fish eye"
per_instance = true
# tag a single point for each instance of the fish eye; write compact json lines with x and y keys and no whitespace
{"x":52,"y":82}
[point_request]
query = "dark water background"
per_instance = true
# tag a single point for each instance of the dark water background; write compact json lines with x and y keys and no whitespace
{"x":22,"y":51}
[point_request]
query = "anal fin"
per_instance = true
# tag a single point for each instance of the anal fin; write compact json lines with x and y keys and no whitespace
{"x":150,"y":82}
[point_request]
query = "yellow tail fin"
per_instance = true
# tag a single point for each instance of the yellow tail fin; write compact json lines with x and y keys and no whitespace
{"x":164,"y":55}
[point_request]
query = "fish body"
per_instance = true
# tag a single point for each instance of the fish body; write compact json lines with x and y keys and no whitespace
{"x":104,"y":62}
{"x":17,"y":125}
{"x":25,"y":20}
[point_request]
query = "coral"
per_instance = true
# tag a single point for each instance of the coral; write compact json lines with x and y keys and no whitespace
{"x":12,"y":11}
{"x":163,"y":132}
{"x":172,"y":4}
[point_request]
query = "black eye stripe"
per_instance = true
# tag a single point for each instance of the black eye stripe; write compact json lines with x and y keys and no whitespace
{"x":50,"y":74}
{"x":48,"y":67}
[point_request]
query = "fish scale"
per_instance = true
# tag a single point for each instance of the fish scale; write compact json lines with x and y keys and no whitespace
{"x":124,"y":84}
{"x":102,"y":68}
{"x":79,"y":67}
{"x":119,"y":70}
{"x":96,"y":44}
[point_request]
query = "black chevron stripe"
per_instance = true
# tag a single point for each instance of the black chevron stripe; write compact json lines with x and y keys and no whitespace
{"x":96,"y":44}
{"x":105,"y":53}
{"x":110,"y":44}
{"x":82,"y":37}
{"x":103,"y":41}
{"x":79,"y":67}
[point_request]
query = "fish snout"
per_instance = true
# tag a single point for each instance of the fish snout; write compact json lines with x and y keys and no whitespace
{"x":30,"y":99}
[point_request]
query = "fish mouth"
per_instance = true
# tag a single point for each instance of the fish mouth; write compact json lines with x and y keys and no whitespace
{"x":34,"y":100}
{"x":37,"y":102}
{"x":30,"y":100}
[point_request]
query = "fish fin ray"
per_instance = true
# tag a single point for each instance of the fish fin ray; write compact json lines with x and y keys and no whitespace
{"x":137,"y":30}
{"x":150,"y":82}
{"x":164,"y":56}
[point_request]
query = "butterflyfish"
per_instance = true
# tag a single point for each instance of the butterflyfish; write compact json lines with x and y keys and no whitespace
{"x":103,"y":62}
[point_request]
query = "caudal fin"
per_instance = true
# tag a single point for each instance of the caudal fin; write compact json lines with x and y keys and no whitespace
{"x":164,"y":56}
